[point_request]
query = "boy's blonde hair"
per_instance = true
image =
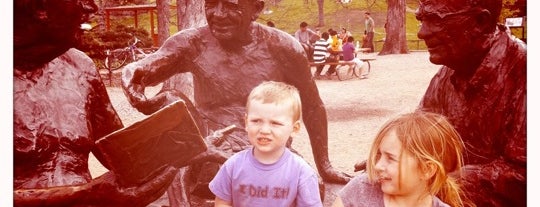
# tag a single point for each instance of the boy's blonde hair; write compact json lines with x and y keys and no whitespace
{"x":278,"y":93}
{"x":431,"y":139}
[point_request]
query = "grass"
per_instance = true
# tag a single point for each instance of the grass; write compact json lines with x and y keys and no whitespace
{"x":287,"y":15}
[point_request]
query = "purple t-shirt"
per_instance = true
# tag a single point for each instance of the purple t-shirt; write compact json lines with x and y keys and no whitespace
{"x":348,"y":51}
{"x":244,"y":181}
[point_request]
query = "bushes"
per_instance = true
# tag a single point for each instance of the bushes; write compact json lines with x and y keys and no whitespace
{"x":95,"y":42}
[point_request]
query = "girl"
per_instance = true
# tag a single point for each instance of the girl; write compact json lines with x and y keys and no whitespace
{"x":409,"y":165}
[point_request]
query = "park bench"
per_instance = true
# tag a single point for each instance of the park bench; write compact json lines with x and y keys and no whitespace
{"x":346,"y":73}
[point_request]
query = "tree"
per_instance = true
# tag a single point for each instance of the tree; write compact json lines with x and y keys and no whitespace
{"x":163,"y":15}
{"x":320,"y":4}
{"x":396,"y":39}
{"x":190,"y":14}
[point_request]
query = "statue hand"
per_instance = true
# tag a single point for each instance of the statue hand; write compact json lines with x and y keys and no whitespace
{"x":107,"y":192}
{"x":359,"y":166}
{"x":157,"y":102}
{"x":133,"y":86}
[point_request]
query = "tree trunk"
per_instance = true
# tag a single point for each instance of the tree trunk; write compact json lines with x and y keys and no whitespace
{"x":190,"y":14}
{"x":163,"y":20}
{"x":320,"y":4}
{"x":396,"y":39}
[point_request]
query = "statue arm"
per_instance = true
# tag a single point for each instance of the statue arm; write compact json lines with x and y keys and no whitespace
{"x":314,"y":115}
{"x":102,"y":191}
{"x":169,"y":60}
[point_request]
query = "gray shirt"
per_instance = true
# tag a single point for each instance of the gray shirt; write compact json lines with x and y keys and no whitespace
{"x":370,"y":24}
{"x":359,"y":192}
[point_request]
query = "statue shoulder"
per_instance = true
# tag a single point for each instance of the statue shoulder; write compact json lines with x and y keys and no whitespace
{"x":187,"y":36}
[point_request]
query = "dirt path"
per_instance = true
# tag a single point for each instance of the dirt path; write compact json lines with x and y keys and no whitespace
{"x":356,"y":109}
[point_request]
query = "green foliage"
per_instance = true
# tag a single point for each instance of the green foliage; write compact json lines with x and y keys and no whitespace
{"x":287,"y":15}
{"x":95,"y":42}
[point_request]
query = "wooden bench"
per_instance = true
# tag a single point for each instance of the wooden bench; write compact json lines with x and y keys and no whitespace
{"x":345,"y":74}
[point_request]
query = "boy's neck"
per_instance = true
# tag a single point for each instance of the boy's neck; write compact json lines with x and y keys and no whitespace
{"x":268,"y":158}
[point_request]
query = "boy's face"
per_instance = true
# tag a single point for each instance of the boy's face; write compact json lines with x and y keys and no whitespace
{"x":269,"y":126}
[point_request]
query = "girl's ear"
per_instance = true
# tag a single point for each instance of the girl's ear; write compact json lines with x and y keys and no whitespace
{"x":429,"y":170}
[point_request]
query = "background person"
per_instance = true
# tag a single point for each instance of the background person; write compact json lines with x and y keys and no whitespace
{"x":306,"y":36}
{"x":369,"y":31}
{"x":344,"y":34}
{"x":273,"y":115}
{"x":321,"y":54}
{"x":349,"y":54}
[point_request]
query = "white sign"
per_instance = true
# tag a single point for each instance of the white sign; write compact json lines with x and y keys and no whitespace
{"x":514,"y":22}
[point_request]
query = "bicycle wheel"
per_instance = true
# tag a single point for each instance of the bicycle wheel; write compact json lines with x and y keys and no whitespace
{"x":345,"y":72}
{"x":116,"y":60}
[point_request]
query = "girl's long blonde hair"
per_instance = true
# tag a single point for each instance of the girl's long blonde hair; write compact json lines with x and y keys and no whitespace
{"x":431,"y":139}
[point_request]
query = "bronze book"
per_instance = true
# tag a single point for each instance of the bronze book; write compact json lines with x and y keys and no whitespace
{"x":138,"y":152}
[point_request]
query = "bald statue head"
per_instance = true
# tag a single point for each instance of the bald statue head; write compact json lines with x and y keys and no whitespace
{"x":230,"y":20}
{"x":45,"y":29}
{"x":457,"y":32}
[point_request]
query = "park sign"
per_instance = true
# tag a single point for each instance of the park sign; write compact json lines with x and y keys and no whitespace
{"x":514,"y":22}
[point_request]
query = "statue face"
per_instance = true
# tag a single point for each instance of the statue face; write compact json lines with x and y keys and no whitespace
{"x":448,"y":31}
{"x":44,"y":29}
{"x":229,"y":20}
{"x":38,"y":21}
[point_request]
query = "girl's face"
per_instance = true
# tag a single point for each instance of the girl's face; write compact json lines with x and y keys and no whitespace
{"x":392,"y":162}
{"x":269,"y":126}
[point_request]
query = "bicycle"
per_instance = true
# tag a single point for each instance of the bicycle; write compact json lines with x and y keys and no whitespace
{"x":117,"y":58}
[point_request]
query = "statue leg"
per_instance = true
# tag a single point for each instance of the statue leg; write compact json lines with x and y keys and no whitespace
{"x":177,"y":192}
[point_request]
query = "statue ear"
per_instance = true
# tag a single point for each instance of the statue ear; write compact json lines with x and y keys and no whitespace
{"x":482,"y":20}
{"x":258,"y":6}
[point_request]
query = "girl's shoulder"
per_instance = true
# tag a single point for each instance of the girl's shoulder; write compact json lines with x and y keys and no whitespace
{"x":360,"y":191}
{"x":439,"y":203}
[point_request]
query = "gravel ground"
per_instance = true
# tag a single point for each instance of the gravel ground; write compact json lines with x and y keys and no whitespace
{"x":356,"y":109}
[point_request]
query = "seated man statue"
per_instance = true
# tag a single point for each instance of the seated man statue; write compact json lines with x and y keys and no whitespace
{"x":481,"y":88}
{"x":227,"y":58}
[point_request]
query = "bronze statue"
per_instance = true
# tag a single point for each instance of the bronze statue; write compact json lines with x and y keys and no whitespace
{"x":481,"y":88}
{"x":229,"y":57}
{"x":60,"y":108}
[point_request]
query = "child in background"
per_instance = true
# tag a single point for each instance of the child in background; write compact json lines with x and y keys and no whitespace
{"x":268,"y":174}
{"x":409,"y":164}
{"x":336,"y":43}
{"x":349,"y":51}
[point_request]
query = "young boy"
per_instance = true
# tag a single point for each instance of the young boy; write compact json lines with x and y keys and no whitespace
{"x":268,"y":174}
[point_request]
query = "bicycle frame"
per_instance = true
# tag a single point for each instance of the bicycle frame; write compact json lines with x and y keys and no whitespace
{"x":117,"y":58}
